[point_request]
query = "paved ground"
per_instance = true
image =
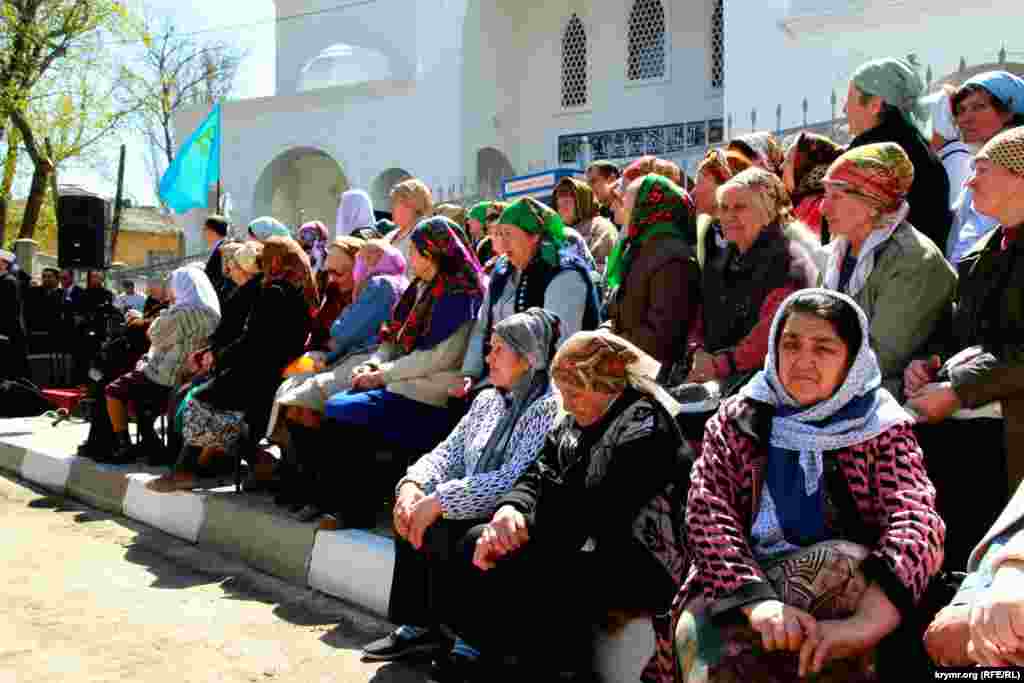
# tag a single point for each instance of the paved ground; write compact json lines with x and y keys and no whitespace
{"x":86,"y":596}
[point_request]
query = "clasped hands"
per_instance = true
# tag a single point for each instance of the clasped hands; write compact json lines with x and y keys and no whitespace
{"x":414,"y":512}
{"x":506,"y":533}
{"x":786,"y":628}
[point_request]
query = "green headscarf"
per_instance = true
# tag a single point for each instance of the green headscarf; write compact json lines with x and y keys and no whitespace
{"x":479,"y":212}
{"x":662,"y":208}
{"x":529,"y":215}
{"x":897,"y":83}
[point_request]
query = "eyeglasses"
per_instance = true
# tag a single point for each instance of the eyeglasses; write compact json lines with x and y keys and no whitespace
{"x":338,"y":273}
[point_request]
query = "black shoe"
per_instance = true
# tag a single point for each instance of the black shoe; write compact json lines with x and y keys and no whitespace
{"x":393,"y":646}
{"x":119,"y":453}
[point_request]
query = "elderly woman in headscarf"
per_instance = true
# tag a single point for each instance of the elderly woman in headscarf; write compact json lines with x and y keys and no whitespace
{"x":574,"y":201}
{"x":969,"y":390}
{"x":380,"y":281}
{"x":354,"y":212}
{"x":335,"y":285}
{"x":984,"y":106}
{"x":245,"y":373}
{"x":265,"y":227}
{"x":399,"y":397}
{"x":744,"y":283}
{"x":883,"y":105}
{"x":591,"y":527}
{"x":313,"y":238}
{"x":897,"y":275}
{"x":456,"y":486}
{"x":534,"y":272}
{"x":176,"y":333}
{"x":807,"y":158}
{"x":811,"y":511}
{"x":653,"y":278}
{"x":715,"y":169}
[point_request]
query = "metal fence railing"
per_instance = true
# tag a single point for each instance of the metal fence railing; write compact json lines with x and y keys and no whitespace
{"x":159,"y":269}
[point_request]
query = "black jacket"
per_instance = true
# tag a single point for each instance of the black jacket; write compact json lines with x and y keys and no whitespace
{"x":215,"y":272}
{"x":929,"y":194}
{"x":13,"y":348}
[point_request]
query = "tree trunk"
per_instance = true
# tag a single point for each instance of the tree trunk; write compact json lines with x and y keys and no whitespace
{"x":36,"y":196}
{"x":3,"y":221}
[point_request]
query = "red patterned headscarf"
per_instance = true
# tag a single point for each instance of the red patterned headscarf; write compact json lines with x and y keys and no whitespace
{"x":429,"y":312}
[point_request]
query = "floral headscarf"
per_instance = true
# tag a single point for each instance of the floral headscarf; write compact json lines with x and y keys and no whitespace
{"x":313,"y":238}
{"x":529,"y":215}
{"x":606,"y":363}
{"x":810,"y":156}
{"x":650,"y":164}
{"x":265,"y":227}
{"x":882,"y":173}
{"x":284,"y":260}
{"x":763,"y":149}
{"x":479,"y":213}
{"x":662,"y":207}
{"x":421,"y":320}
{"x":723,"y":164}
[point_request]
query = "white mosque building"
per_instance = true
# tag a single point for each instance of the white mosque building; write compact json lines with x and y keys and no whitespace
{"x":462,"y":94}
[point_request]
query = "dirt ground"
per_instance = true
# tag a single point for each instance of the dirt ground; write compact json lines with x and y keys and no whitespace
{"x":86,"y":596}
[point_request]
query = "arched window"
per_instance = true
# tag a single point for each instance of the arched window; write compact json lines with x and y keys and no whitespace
{"x":574,"y":64}
{"x":718,"y":46}
{"x":646,"y":41}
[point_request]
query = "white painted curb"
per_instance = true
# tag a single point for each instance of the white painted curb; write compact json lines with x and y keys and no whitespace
{"x":49,"y":471}
{"x":353,"y":565}
{"x":180,"y":514}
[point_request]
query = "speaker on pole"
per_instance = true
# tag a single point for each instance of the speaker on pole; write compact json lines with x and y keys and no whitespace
{"x":81,"y":231}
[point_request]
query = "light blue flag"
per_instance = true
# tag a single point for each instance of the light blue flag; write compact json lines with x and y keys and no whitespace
{"x":186,"y":184}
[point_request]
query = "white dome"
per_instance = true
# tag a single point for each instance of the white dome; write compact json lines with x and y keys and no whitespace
{"x":344,"y":65}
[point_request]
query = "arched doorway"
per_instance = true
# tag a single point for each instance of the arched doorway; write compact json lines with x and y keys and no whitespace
{"x":380,"y":188}
{"x":302,"y":184}
{"x":492,"y":167}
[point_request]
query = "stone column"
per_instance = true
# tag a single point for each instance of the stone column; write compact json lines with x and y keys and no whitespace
{"x":25,"y":251}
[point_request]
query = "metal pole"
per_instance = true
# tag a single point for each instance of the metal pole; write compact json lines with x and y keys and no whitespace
{"x":115,"y":228}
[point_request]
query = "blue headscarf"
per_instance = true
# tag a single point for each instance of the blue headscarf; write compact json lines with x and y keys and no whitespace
{"x":1004,"y":86}
{"x":860,"y":410}
{"x":266,"y":227}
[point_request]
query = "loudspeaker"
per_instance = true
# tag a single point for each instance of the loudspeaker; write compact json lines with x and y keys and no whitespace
{"x":81,"y":232}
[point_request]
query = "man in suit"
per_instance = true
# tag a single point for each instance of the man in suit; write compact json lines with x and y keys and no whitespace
{"x":13,"y":340}
{"x":215,"y":230}
{"x":984,"y":624}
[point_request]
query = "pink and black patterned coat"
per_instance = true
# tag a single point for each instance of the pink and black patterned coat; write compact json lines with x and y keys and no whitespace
{"x":891,"y":510}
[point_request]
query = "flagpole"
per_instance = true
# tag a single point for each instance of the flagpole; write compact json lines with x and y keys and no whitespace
{"x":220,"y":160}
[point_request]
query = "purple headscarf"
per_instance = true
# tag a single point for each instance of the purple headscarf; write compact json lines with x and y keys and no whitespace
{"x":313,"y":238}
{"x":390,"y":267}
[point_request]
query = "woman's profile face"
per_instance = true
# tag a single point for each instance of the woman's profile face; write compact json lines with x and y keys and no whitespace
{"x":476,"y":229}
{"x":507,"y":367}
{"x":813,"y":359}
{"x":586,"y":406}
{"x":704,"y":193}
{"x":421,"y":265}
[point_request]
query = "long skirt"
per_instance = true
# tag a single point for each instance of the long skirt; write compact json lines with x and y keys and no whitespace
{"x":420,"y":583}
{"x":311,"y":390}
{"x":394,"y":421}
{"x":542,"y":603}
{"x":823,"y":580}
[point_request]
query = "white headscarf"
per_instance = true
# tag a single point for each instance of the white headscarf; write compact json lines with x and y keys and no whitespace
{"x":355,"y":211}
{"x":192,"y":289}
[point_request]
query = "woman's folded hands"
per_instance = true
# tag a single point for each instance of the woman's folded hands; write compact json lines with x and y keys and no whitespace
{"x":506,"y":533}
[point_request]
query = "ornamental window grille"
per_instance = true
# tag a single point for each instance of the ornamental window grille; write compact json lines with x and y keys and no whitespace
{"x":718,"y":45}
{"x":646,"y":41}
{"x":574,"y":64}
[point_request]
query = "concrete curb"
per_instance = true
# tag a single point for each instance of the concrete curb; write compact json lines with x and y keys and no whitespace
{"x":353,"y":565}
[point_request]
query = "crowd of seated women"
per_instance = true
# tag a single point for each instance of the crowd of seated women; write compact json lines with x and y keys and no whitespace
{"x":773,"y":408}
